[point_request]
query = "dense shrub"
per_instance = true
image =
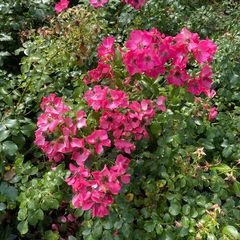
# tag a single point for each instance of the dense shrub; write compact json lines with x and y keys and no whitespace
{"x":184,"y":177}
{"x":16,"y":18}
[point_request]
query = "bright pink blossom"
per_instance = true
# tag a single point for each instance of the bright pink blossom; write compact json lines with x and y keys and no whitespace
{"x":124,"y":145}
{"x":99,"y":138}
{"x":137,"y":4}
{"x":117,"y":99}
{"x":97,"y":98}
{"x":180,"y":57}
{"x":80,"y":153}
{"x":147,"y":60}
{"x":178,"y":76}
{"x":110,"y":120}
{"x":107,"y":181}
{"x":81,"y":119}
{"x":54,"y":105}
{"x":106,"y":48}
{"x":204,"y":50}
{"x":195,"y":87}
{"x":103,"y":70}
{"x":130,"y":61}
{"x":138,"y":40}
{"x":185,"y":37}
{"x":212,"y":114}
{"x":98,"y":3}
{"x":63,"y":4}
{"x":160,"y":103}
{"x":139,"y":133}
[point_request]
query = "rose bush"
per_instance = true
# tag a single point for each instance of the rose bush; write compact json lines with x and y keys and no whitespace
{"x":140,"y":147}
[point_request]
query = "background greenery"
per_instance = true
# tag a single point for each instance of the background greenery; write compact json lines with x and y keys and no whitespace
{"x":173,"y":194}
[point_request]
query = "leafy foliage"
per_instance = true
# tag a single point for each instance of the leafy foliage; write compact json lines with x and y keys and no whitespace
{"x":185,"y":180}
{"x":15,"y":17}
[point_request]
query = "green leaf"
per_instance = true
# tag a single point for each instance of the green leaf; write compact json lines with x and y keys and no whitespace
{"x":236,"y":188}
{"x":11,"y":123}
{"x":19,"y":140}
{"x":227,"y":152}
{"x":107,"y":225}
{"x":223,"y":168}
{"x":174,"y":209}
{"x":159,"y":229}
{"x":9,"y":191}
{"x":78,"y":212}
{"x":231,"y":232}
{"x":52,"y":203}
{"x":149,"y":226}
{"x":107,"y":235}
{"x":97,"y":230}
{"x":9,"y":148}
{"x":86,"y":231}
{"x":118,"y":224}
{"x":126,"y":230}
{"x":28,"y":129}
{"x":23,"y":227}
{"x":50,"y":235}
{"x":71,"y":238}
{"x":39,"y":214}
{"x":4,"y":134}
{"x":2,"y":206}
{"x":211,"y":237}
{"x":155,"y":128}
{"x":22,"y":214}
{"x":32,"y":218}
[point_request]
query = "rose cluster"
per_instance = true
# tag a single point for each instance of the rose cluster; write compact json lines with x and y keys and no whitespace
{"x":137,"y":4}
{"x":63,"y":4}
{"x":66,"y":135}
{"x":120,"y":124}
{"x":94,"y":190}
{"x":154,"y":54}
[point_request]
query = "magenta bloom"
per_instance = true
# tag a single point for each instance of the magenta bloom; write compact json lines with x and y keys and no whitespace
{"x":204,"y":50}
{"x":123,"y":128}
{"x":156,"y":71}
{"x":124,"y":145}
{"x":103,"y":70}
{"x":210,"y":93}
{"x":101,"y":202}
{"x":110,"y":120}
{"x":195,"y":87}
{"x":54,"y":105}
{"x":63,"y":4}
{"x":138,"y":40}
{"x":137,"y":4}
{"x":160,"y":103}
{"x":206,"y":72}
{"x":80,"y":153}
{"x":107,"y":180}
{"x":180,"y":57}
{"x":139,"y":133}
{"x":81,"y":119}
{"x":107,"y":47}
{"x":99,"y":138}
{"x":121,"y":164}
{"x":98,"y":3}
{"x":117,"y":99}
{"x":212,"y":114}
{"x":96,"y":98}
{"x":185,"y":37}
{"x":134,"y":119}
{"x":178,"y":77}
{"x":144,"y":109}
{"x":147,"y":60}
